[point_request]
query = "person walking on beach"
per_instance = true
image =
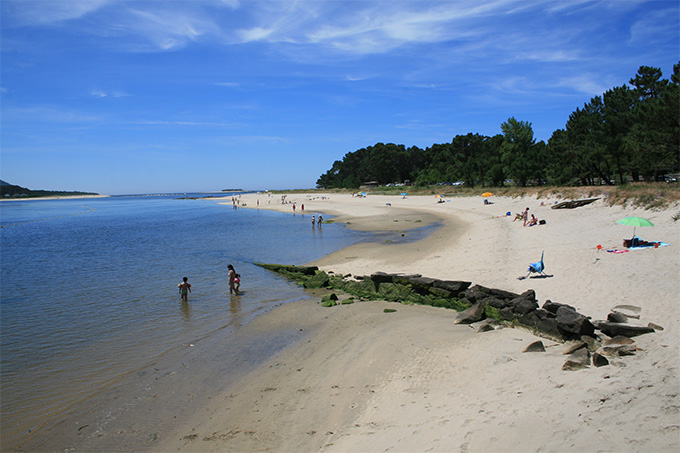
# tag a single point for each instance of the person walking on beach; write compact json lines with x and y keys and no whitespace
{"x":184,"y":288}
{"x":313,"y":221}
{"x":232,"y":280}
{"x":319,"y":221}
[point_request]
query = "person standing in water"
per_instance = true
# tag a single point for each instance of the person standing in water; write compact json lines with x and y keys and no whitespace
{"x":232,"y":280}
{"x":184,"y":288}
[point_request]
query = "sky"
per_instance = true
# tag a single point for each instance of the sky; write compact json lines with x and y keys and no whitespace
{"x":123,"y":96}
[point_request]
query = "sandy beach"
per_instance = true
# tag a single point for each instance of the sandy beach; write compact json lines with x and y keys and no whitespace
{"x":360,"y":379}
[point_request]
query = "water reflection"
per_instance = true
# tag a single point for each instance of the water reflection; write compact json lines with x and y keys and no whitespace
{"x":234,"y":305}
{"x":185,"y":308}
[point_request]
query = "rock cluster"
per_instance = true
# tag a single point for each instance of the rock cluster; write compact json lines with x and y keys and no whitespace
{"x":557,"y":321}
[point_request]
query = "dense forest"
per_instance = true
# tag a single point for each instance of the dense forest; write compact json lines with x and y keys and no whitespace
{"x":629,"y":133}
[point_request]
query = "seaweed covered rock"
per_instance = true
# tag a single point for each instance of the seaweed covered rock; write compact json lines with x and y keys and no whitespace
{"x":318,"y":280}
{"x":289,"y":269}
{"x":558,"y":321}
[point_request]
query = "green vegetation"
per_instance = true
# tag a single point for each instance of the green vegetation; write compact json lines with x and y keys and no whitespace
{"x":389,"y":310}
{"x":402,"y":291}
{"x":11,"y":191}
{"x":630,"y":133}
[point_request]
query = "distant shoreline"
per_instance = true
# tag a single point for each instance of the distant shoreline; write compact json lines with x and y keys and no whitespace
{"x":54,"y":197}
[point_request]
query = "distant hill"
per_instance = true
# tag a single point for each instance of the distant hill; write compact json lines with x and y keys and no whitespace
{"x":8,"y":190}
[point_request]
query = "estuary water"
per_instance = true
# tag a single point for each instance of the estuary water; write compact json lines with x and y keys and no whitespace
{"x":89,"y":297}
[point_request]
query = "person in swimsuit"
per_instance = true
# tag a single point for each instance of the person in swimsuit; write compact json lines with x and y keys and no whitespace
{"x":232,"y":280}
{"x":184,"y":288}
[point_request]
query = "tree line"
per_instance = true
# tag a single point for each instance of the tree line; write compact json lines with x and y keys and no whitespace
{"x":631,"y":132}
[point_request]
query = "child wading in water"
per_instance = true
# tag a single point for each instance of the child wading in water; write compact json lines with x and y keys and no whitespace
{"x":184,"y":288}
{"x":234,"y":279}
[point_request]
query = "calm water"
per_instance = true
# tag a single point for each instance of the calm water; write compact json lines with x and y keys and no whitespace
{"x":89,"y":289}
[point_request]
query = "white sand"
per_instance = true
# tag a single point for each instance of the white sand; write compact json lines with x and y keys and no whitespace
{"x":364,"y":380}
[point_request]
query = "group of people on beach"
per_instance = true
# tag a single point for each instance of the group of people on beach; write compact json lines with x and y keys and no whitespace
{"x":317,"y":222}
{"x":524,"y":216}
{"x":234,"y":284}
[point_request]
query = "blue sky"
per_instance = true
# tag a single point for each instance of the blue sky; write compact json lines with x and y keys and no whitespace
{"x":121,"y":97}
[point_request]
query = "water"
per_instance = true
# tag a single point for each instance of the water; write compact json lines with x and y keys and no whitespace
{"x":89,"y":290}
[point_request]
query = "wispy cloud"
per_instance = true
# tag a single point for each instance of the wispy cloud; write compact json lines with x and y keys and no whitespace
{"x":113,"y":94}
{"x":40,"y":12}
{"x":652,"y":25}
{"x":590,"y":84}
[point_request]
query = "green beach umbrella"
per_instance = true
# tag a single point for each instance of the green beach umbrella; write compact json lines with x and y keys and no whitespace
{"x":635,"y":222}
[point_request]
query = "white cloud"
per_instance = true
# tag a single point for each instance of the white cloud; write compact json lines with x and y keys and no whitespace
{"x":103,"y":94}
{"x":653,"y":26}
{"x":590,"y":84}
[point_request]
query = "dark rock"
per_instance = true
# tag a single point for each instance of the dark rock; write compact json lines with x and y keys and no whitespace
{"x":617,"y":317}
{"x":404,"y":279}
{"x":454,"y":286}
{"x":421,"y":284}
{"x":333,"y":296}
{"x":502,"y":294}
{"x":529,"y":294}
{"x":472,"y":314}
{"x":553,"y":306}
{"x":479,"y":292}
{"x":571,"y":321}
{"x":613,"y":329}
{"x":474,"y":293}
{"x":600,"y":360}
{"x":549,"y":327}
{"x":305,"y":270}
{"x":382,"y":277}
{"x":536,"y":346}
{"x":543,"y":314}
{"x":523,"y":306}
{"x":506,"y":314}
{"x":496,"y":302}
{"x":531,"y":319}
